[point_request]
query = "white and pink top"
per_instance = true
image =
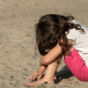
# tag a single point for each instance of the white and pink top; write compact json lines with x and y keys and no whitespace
{"x":80,"y":40}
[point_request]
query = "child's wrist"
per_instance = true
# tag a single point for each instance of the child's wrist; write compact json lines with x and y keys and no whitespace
{"x":42,"y":69}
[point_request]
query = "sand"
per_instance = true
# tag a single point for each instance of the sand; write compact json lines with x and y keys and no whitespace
{"x":17,"y":40}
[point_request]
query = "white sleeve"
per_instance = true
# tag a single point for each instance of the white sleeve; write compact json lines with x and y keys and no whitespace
{"x":72,"y":34}
{"x":82,"y":25}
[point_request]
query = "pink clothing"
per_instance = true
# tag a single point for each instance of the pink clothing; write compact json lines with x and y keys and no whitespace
{"x":77,"y":65}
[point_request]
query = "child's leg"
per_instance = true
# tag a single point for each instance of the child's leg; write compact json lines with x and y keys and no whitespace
{"x":50,"y":73}
{"x":77,"y":65}
{"x":49,"y":76}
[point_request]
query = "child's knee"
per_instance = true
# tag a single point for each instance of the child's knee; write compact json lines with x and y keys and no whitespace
{"x":56,"y":62}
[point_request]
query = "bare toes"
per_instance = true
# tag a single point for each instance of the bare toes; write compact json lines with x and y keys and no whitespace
{"x":31,"y":84}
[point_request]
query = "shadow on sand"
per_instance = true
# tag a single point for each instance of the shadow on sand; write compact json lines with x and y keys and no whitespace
{"x":63,"y":74}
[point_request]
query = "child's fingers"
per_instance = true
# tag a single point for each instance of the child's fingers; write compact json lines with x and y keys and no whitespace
{"x":39,"y":77}
{"x":34,"y":77}
{"x":31,"y":77}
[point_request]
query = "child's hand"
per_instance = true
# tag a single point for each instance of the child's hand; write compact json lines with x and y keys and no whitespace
{"x":36,"y":75}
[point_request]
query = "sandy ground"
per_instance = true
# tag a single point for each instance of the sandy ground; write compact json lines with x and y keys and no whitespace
{"x":17,"y":40}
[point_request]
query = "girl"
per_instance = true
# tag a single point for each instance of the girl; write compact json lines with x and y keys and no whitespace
{"x":59,"y":36}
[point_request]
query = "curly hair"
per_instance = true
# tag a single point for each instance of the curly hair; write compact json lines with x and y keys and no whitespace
{"x":52,"y":29}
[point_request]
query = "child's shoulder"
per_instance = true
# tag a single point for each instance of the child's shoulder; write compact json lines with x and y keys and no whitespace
{"x":81,"y":24}
{"x":73,"y":34}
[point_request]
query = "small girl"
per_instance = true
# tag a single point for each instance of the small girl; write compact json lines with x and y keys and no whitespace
{"x":58,"y":36}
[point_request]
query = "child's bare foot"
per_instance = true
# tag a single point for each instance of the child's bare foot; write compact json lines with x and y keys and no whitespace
{"x":39,"y":82}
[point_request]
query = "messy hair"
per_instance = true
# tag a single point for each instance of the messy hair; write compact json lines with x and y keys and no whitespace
{"x":52,"y":29}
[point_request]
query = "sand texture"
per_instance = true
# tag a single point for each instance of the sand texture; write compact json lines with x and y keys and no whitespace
{"x":18,"y":58}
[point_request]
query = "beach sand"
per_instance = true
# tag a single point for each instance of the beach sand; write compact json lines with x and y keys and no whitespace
{"x":18,"y":57}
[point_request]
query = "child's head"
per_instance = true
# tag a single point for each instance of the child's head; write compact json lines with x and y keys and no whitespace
{"x":52,"y":29}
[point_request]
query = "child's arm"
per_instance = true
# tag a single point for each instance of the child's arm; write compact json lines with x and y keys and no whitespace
{"x":38,"y":73}
{"x":42,"y":68}
{"x":52,"y":55}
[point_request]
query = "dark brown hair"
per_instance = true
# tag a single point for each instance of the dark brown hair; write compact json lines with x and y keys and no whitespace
{"x":51,"y":29}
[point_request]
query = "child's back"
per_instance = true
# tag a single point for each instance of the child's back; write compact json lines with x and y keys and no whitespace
{"x":80,"y":40}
